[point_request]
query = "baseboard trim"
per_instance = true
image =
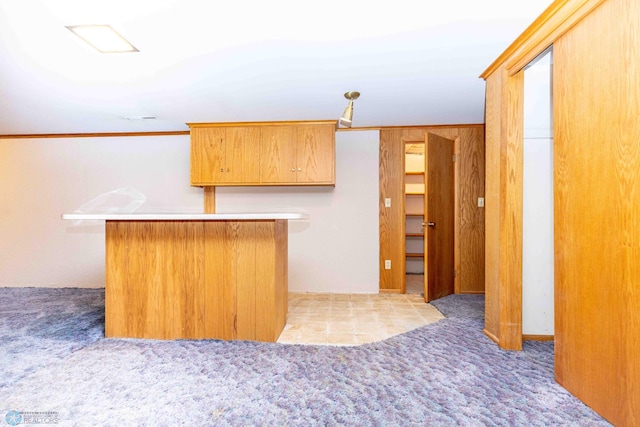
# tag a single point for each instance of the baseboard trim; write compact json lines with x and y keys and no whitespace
{"x":471,"y":292}
{"x":491,"y":336}
{"x":391,"y":291}
{"x":537,"y":337}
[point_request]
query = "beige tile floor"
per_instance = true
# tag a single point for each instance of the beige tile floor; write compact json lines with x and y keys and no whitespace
{"x":353,"y":319}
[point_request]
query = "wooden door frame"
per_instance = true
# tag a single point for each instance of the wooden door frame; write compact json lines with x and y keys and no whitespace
{"x":456,"y":204}
{"x":504,"y":118}
{"x":403,"y":230}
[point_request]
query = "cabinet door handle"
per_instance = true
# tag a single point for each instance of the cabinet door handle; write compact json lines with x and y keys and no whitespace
{"x":430,"y":224}
{"x":221,"y":170}
{"x":293,"y":169}
{"x":299,"y":169}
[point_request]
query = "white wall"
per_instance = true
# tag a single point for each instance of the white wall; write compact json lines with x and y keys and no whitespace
{"x":537,"y":238}
{"x":336,"y":250}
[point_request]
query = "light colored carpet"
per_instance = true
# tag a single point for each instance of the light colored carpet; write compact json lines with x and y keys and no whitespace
{"x":444,"y":374}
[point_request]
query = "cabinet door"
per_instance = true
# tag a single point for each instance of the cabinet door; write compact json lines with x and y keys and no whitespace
{"x":316,"y":154}
{"x":278,"y":155}
{"x":207,"y":155}
{"x":242,"y":155}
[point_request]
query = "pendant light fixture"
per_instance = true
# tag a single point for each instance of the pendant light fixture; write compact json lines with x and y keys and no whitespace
{"x":347,"y":115}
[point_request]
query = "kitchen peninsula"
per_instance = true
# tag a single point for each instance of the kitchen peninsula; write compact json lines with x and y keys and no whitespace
{"x":195,"y":276}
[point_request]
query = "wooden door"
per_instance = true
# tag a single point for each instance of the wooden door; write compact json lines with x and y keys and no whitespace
{"x":278,"y":155}
{"x":207,"y":155}
{"x":439,"y":218}
{"x":242,"y":153}
{"x":316,"y":154}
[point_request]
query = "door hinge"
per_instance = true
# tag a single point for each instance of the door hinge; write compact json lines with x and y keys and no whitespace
{"x":454,"y":158}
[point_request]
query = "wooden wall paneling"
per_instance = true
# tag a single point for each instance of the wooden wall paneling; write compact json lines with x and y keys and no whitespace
{"x":503,"y":248}
{"x":144,"y":299}
{"x":194,"y":262}
{"x":471,"y":178}
{"x":597,"y":211}
{"x":141,"y":252}
{"x":282,"y":274}
{"x":196,"y":279}
{"x":493,"y":119}
{"x":265,"y":290}
{"x":115,"y":297}
{"x":128,"y":311}
{"x":169,"y":245}
{"x":242,"y":154}
{"x":176,"y":281}
{"x":512,"y":141}
{"x":270,"y":301}
{"x":219,"y":299}
{"x":244,"y":248}
{"x":392,"y":225}
{"x":456,"y":216}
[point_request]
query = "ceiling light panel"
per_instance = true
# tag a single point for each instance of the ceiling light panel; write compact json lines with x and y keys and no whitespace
{"x":103,"y":38}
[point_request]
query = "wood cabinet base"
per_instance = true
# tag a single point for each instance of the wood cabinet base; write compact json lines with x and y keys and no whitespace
{"x":196,"y":279}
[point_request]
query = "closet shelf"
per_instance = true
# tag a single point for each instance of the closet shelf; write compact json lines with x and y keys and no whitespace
{"x":414,"y":234}
{"x":415,"y":255}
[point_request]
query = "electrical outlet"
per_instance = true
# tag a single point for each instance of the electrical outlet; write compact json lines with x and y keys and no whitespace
{"x":387,"y":202}
{"x":387,"y":264}
{"x":481,"y":202}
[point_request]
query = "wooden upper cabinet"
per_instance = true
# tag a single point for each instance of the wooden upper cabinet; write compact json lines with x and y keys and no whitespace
{"x":207,"y":155}
{"x":316,"y":154}
{"x":225,"y":155}
{"x":278,"y":154}
{"x":270,"y":153}
{"x":295,"y":155}
{"x":242,"y":155}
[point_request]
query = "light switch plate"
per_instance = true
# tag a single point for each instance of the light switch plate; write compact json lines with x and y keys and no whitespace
{"x":481,"y":202}
{"x":387,"y":202}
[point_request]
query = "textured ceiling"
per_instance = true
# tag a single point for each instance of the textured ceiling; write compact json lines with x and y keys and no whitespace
{"x":415,"y":62}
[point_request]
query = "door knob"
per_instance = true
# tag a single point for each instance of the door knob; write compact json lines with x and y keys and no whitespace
{"x":430,"y":224}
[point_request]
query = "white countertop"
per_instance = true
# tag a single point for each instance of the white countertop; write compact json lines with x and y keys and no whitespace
{"x":182,"y":216}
